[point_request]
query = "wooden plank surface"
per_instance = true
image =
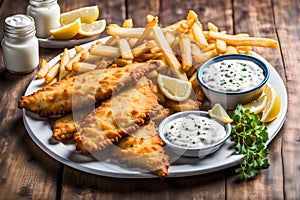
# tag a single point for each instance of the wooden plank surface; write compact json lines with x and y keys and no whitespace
{"x":26,"y":172}
{"x":288,"y":29}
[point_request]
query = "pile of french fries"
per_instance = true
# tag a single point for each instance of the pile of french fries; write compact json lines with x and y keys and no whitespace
{"x":182,"y":47}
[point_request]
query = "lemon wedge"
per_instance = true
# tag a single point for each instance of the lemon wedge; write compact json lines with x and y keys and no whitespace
{"x":219,"y":113}
{"x":86,"y":15}
{"x":173,"y":88}
{"x":94,"y":28}
{"x":272,"y":108}
{"x":66,"y":32}
{"x":257,"y":106}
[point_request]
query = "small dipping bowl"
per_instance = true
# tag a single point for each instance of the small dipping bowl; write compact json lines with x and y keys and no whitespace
{"x":229,"y":99}
{"x":199,"y":152}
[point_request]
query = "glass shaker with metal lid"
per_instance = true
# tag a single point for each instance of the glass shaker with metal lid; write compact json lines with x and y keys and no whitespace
{"x":20,"y":46}
{"x":46,"y":14}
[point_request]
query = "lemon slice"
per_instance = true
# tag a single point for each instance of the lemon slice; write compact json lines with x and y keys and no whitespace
{"x":86,"y":15}
{"x":219,"y":113}
{"x":94,"y":28}
{"x":272,"y":108}
{"x":66,"y":32}
{"x":257,"y":106}
{"x":173,"y":88}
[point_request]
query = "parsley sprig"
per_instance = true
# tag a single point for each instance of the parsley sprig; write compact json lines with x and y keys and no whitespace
{"x":249,"y":136}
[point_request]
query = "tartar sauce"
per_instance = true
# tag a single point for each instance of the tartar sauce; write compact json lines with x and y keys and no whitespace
{"x":233,"y":75}
{"x":194,"y":131}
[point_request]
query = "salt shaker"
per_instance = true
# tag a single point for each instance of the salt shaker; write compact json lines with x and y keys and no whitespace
{"x":20,"y":46}
{"x":46,"y":14}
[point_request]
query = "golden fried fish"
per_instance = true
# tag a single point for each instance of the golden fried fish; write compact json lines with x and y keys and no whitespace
{"x":143,"y":149}
{"x":78,"y":91}
{"x":117,"y":116}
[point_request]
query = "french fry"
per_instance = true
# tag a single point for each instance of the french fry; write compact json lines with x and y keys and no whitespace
{"x":78,"y":49}
{"x":195,"y":49}
{"x":52,"y":81}
{"x":124,"y":48}
{"x":168,"y":54}
{"x":102,"y":50}
{"x":198,"y":92}
{"x":152,"y":22}
{"x":244,"y":41}
{"x":76,"y":58}
{"x":44,"y":68}
{"x":128,"y":23}
{"x":125,"y":32}
{"x":186,"y":53}
{"x":140,"y":50}
{"x":231,"y":50}
{"x":221,"y":46}
{"x":174,"y":26}
{"x":170,"y":38}
{"x":198,"y":34}
{"x":111,"y":41}
{"x":89,"y":58}
{"x":188,"y":104}
{"x":201,"y":58}
{"x":210,"y":47}
{"x":212,"y":27}
{"x":83,"y":67}
{"x":122,"y":62}
{"x":64,"y":59}
{"x":52,"y":73}
{"x":153,"y":56}
{"x":152,"y":74}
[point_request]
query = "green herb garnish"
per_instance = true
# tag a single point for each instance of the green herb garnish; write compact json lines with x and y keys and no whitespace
{"x":249,"y":136}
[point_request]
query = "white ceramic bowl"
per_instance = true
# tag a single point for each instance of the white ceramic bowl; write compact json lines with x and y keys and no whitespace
{"x":191,"y":152}
{"x":229,"y":100}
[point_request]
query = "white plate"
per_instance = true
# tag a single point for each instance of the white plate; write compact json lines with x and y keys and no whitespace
{"x":59,"y":44}
{"x":41,"y":133}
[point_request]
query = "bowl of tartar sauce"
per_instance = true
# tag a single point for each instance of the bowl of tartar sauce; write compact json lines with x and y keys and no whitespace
{"x":193,"y":133}
{"x":232,"y":79}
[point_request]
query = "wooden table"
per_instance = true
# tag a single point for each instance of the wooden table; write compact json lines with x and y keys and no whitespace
{"x":27,"y":172}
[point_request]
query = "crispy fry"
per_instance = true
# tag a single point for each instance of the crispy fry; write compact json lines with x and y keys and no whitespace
{"x":143,"y":37}
{"x":128,"y":23}
{"x":186,"y":54}
{"x":188,"y":104}
{"x":111,"y":41}
{"x":122,"y":62}
{"x":83,"y":67}
{"x":44,"y":68}
{"x":199,"y":92}
{"x":201,"y":58}
{"x":231,"y":50}
{"x":198,"y":34}
{"x":140,"y":50}
{"x":125,"y":32}
{"x":210,"y":47}
{"x":195,"y":49}
{"x":244,"y":41}
{"x":64,"y":59}
{"x":76,"y":58}
{"x":212,"y":27}
{"x":102,"y":50}
{"x":221,"y":46}
{"x":89,"y":58}
{"x":78,"y":49}
{"x":52,"y":72}
{"x":174,"y":26}
{"x":170,"y":38}
{"x":124,"y":48}
{"x":168,"y":54}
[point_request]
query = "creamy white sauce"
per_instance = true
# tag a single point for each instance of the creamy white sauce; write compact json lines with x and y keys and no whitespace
{"x":233,"y":75}
{"x":194,"y":131}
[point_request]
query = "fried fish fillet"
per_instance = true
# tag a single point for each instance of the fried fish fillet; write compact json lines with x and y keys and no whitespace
{"x":117,"y":116}
{"x":78,"y":91}
{"x":65,"y":126}
{"x":143,"y":149}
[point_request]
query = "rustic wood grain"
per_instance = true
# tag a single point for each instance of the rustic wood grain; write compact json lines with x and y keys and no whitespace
{"x":258,"y":21}
{"x":288,"y":29}
{"x":26,"y":172}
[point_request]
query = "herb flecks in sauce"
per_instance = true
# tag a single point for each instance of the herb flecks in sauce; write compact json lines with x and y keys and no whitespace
{"x":233,"y":75}
{"x":194,"y":131}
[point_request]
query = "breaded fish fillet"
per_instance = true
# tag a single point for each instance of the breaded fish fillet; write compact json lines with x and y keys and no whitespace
{"x":143,"y":149}
{"x":65,"y":126}
{"x":117,"y":116}
{"x":78,"y":91}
